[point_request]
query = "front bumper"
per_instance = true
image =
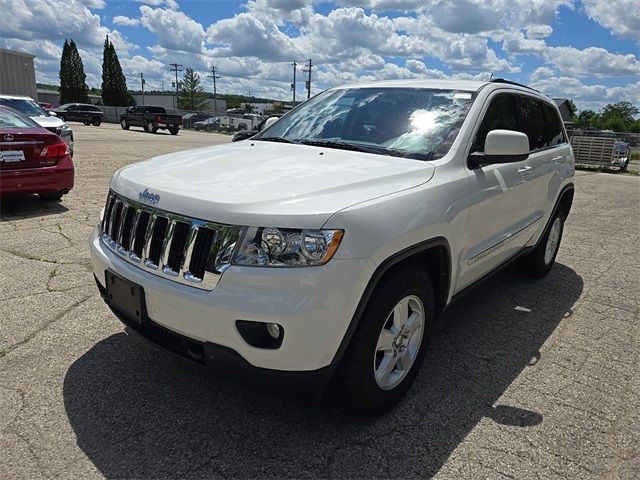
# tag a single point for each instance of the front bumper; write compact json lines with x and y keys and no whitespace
{"x":313,"y":305}
{"x":25,"y":181}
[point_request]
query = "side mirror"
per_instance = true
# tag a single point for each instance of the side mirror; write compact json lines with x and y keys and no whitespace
{"x":52,"y":113}
{"x":501,"y":146}
{"x":270,"y":121}
{"x":128,"y":110}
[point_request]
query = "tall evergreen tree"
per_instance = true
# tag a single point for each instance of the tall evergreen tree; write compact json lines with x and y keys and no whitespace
{"x":191,"y":96}
{"x":114,"y":83}
{"x":73,"y":86}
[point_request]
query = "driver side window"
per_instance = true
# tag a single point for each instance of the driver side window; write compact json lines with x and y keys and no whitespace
{"x":501,"y":114}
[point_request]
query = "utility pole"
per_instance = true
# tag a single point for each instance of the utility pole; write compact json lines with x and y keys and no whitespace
{"x":176,"y":67}
{"x":293,"y":85}
{"x":215,"y":92}
{"x":307,"y":69}
{"x":162,"y":85}
{"x":142,"y":82}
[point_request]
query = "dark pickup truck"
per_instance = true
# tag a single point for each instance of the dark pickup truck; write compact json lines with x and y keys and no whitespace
{"x":151,"y":119}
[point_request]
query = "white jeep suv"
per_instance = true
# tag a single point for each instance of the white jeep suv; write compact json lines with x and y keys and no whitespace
{"x":327,"y":246}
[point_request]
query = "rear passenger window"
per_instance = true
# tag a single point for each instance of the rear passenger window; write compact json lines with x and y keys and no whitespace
{"x":531,"y":120}
{"x":555,"y":134}
{"x":501,"y":115}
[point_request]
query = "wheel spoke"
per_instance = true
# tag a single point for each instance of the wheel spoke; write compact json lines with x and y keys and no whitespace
{"x":385,"y":369}
{"x":385,"y":341}
{"x":404,"y":361}
{"x":400,"y":314}
{"x":414,"y":322}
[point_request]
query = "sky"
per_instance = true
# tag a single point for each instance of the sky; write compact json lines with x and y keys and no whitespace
{"x":586,"y":50}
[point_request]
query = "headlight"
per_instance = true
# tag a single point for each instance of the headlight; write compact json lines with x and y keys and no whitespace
{"x":283,"y":247}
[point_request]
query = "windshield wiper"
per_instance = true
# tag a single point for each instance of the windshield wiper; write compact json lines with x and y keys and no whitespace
{"x":344,"y":146}
{"x":275,"y":139}
{"x":369,"y":149}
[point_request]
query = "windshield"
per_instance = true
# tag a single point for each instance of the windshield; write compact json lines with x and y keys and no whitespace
{"x":406,"y":122}
{"x":26,"y":107}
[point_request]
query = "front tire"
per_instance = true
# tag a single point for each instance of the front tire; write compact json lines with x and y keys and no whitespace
{"x":96,"y":122}
{"x":538,"y":263}
{"x":124,"y":124}
{"x":150,"y":128}
{"x":389,"y":344}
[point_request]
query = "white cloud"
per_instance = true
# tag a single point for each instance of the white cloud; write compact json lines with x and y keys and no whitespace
{"x":96,"y":4}
{"x":125,"y":21}
{"x":172,"y":4}
{"x":591,"y":62}
{"x":592,"y":96}
{"x":621,"y":17}
{"x":174,"y":29}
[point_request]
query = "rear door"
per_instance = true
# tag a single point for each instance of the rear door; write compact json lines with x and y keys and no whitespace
{"x":540,"y":167}
{"x":501,"y":216}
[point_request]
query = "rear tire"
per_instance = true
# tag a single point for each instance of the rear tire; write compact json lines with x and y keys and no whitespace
{"x":173,"y":131}
{"x":150,"y":128}
{"x":124,"y":124}
{"x":62,"y":117}
{"x":367,"y":387}
{"x":538,"y":263}
{"x":623,"y":168}
{"x":86,"y":122}
{"x":50,"y":196}
{"x":96,"y":122}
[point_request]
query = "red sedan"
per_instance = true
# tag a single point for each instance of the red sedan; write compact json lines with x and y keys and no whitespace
{"x":32,"y":159}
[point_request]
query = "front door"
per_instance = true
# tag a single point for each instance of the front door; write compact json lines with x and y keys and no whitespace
{"x":502,"y":216}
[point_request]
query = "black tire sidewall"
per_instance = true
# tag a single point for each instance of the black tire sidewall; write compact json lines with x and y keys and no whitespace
{"x":533,"y":264}
{"x":366,"y":397}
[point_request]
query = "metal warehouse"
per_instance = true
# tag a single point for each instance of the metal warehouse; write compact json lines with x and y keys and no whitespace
{"x":17,"y":73}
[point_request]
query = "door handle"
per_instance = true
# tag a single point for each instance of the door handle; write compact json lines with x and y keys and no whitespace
{"x":557,"y":159}
{"x":524,"y":170}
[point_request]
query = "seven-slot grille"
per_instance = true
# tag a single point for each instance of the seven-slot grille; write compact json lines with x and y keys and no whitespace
{"x":185,"y":250}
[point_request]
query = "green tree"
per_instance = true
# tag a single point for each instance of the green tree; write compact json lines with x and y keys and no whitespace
{"x":615,"y":123}
{"x":191,"y":95}
{"x":623,"y":110}
{"x":587,"y":119}
{"x":114,"y":83}
{"x":73,"y":86}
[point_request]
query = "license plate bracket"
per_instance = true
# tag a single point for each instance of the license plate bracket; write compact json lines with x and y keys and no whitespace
{"x":126,"y":296}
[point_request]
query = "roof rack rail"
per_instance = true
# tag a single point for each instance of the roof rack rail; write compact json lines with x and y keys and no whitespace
{"x":503,"y":80}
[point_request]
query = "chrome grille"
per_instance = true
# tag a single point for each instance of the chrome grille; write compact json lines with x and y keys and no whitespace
{"x":185,"y":250}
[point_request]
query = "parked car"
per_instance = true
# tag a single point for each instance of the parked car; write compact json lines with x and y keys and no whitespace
{"x":189,"y":119}
{"x":151,"y":119}
{"x":32,"y":159}
{"x":244,"y":134}
{"x":27,"y":106}
{"x":80,"y":112}
{"x":209,"y":125}
{"x":327,"y":246}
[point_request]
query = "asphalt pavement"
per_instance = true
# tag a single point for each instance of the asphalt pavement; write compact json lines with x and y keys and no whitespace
{"x":522,"y":380}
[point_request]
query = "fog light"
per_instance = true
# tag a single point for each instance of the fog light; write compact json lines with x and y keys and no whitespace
{"x":274,"y":330}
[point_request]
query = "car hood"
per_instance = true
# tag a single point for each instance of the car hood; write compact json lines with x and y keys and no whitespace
{"x":48,"y":122}
{"x":266,"y":183}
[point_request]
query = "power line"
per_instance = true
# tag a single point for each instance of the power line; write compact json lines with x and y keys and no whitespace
{"x":215,"y":93}
{"x":142,"y":82}
{"x":293,"y":85}
{"x":307,"y":69}
{"x":176,"y":67}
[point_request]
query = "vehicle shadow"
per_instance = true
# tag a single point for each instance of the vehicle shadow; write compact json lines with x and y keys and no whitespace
{"x":15,"y":208}
{"x":138,"y":412}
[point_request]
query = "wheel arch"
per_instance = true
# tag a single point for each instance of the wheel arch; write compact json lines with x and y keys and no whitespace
{"x":434,"y":255}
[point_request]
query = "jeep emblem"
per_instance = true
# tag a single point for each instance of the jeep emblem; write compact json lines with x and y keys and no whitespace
{"x":149,"y":197}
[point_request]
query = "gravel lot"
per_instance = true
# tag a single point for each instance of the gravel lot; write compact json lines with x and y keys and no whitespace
{"x":522,"y":380}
